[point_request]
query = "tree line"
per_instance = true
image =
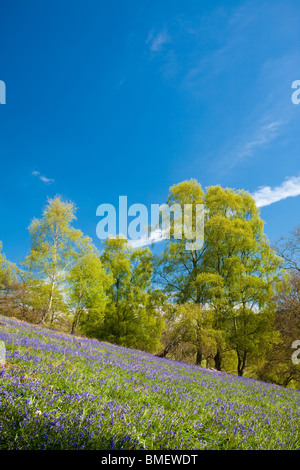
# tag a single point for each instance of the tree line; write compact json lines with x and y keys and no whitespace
{"x":233,"y":305}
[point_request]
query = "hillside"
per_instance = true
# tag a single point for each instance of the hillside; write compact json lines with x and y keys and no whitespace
{"x":63,"y":392}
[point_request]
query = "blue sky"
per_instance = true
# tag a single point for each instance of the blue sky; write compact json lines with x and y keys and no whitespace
{"x":110,"y":98}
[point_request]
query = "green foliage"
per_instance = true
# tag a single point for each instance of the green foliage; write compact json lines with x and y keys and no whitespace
{"x":234,"y":274}
{"x":132,"y":315}
{"x":197,"y":329}
{"x":216,"y":304}
{"x":53,"y":246}
{"x":8,"y":270}
{"x":88,"y":283}
{"x":279,"y":368}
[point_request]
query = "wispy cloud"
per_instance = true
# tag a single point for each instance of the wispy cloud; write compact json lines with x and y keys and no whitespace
{"x":272,"y":114}
{"x":266,"y":195}
{"x":155,"y":237}
{"x":42,"y":178}
{"x":262,"y":136}
{"x":157,"y":40}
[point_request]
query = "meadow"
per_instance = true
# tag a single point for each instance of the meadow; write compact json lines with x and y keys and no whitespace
{"x":59,"y":391}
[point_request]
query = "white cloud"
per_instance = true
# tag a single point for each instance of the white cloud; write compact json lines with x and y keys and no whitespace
{"x":43,"y":178}
{"x":264,"y":135}
{"x":266,"y":195}
{"x":156,"y":41}
{"x":261,"y":137}
{"x":155,"y":237}
{"x":46,"y":180}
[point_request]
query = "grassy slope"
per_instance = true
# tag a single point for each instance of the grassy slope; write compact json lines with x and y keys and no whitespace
{"x":64,"y":392}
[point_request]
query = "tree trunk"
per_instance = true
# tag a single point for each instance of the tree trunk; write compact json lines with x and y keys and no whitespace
{"x":167,"y":349}
{"x":218,"y":361}
{"x":199,"y":355}
{"x":47,"y":312}
{"x":53,"y":276}
{"x":75,"y":322}
{"x":43,"y":317}
{"x":288,"y":380}
{"x":241,"y":363}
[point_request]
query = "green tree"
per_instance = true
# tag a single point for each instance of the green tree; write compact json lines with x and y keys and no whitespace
{"x":279,"y":368}
{"x":8,"y":270}
{"x":53,"y":244}
{"x":8,"y":286}
{"x":197,"y":329}
{"x":177,"y":268}
{"x":239,"y":252}
{"x":132,"y":317}
{"x":172,"y":331}
{"x":88,"y":283}
{"x":234,"y":273}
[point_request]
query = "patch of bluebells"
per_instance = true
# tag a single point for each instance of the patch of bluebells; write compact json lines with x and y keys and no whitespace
{"x":59,"y":391}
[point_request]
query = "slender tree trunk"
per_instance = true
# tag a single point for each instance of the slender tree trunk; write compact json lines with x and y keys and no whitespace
{"x":167,"y":348}
{"x":53,"y":276}
{"x":218,"y":361}
{"x":77,"y":313}
{"x":75,"y":321}
{"x":47,"y":311}
{"x":52,"y":316}
{"x":199,"y":355}
{"x":43,"y":317}
{"x":241,"y":363}
{"x":288,"y":380}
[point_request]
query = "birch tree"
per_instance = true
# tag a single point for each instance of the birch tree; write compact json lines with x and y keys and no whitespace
{"x":53,"y":245}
